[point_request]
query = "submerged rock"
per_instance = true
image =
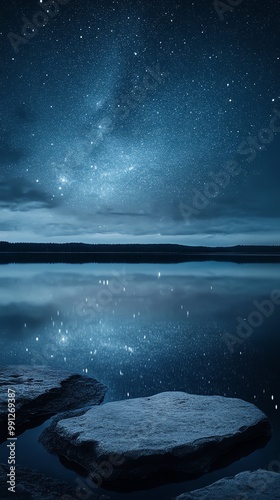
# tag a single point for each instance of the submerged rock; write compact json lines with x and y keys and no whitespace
{"x":261,"y":484}
{"x":42,"y":392}
{"x":133,"y":441}
{"x":33,"y":485}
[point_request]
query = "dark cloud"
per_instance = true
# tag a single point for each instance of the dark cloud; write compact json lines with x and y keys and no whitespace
{"x":21,"y":194}
{"x":111,"y":211}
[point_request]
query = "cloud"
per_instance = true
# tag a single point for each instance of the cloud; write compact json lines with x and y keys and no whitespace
{"x":22,"y":195}
{"x":30,"y":215}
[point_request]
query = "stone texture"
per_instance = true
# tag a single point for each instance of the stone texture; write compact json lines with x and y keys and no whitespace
{"x":260,"y":485}
{"x":32,"y":485}
{"x":139,"y":438}
{"x":43,"y":392}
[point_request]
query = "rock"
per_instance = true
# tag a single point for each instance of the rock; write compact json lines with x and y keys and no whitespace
{"x":33,"y":485}
{"x":135,"y":440}
{"x":261,"y":484}
{"x":42,"y":392}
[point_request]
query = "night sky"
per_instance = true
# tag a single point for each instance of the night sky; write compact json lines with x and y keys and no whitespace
{"x":136,"y":121}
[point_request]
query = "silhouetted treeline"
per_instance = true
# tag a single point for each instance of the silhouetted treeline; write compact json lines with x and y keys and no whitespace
{"x":132,"y":253}
{"x":133,"y":248}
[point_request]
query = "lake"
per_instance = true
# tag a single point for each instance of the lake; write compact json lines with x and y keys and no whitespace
{"x":147,"y":328}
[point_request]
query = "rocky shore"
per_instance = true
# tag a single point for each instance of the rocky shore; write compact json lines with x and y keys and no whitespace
{"x":130,"y":444}
{"x":137,"y":440}
{"x":42,"y":392}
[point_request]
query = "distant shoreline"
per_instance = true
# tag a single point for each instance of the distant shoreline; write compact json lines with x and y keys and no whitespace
{"x":79,"y":253}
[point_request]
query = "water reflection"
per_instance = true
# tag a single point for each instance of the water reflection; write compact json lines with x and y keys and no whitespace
{"x":143,"y":329}
{"x":111,"y":318}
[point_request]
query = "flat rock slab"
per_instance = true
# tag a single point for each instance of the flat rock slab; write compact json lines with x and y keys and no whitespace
{"x":42,"y":392}
{"x":261,"y":484}
{"x":135,"y":440}
{"x":33,"y":485}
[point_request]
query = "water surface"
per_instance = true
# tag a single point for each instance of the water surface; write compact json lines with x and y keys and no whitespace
{"x":143,"y":329}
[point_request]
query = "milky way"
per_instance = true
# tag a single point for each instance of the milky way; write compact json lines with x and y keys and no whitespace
{"x":115,"y":115}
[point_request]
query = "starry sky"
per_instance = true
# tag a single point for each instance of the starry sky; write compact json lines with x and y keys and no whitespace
{"x":134,"y":121}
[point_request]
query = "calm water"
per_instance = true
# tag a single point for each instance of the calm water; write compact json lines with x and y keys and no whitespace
{"x":144,"y":329}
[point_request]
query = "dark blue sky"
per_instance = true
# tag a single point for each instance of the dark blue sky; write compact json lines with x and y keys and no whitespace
{"x":136,"y":121}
